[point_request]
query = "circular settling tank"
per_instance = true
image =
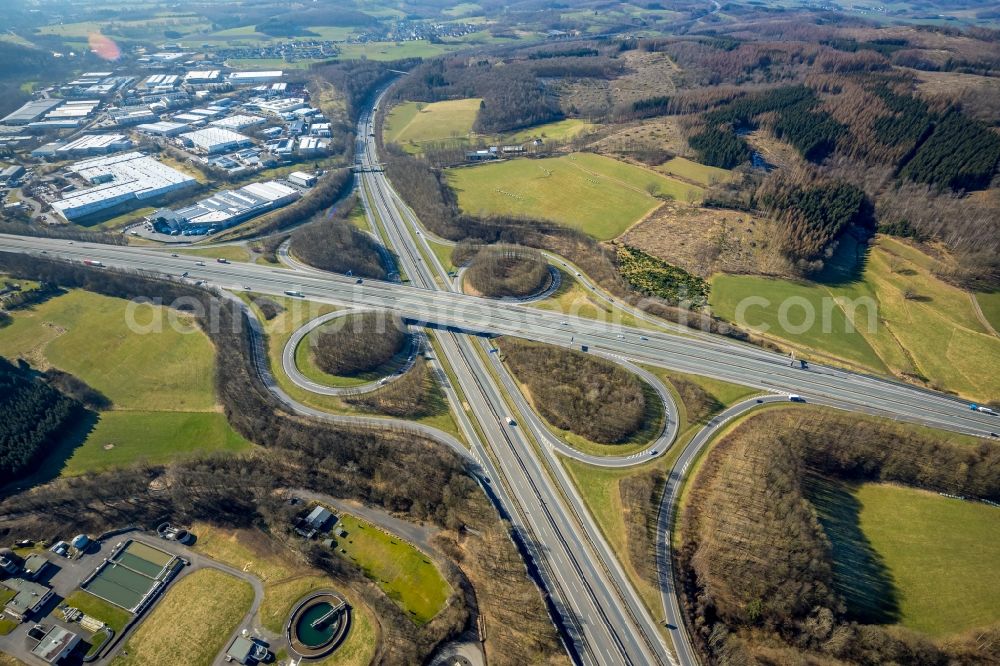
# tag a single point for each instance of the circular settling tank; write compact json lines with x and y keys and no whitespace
{"x":315,"y":627}
{"x":318,"y":625}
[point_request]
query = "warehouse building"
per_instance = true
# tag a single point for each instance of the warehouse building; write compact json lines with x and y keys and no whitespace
{"x":28,"y":599}
{"x":278,"y":107}
{"x":163,"y":128}
{"x":120,"y":179}
{"x":237,"y":122}
{"x":212,"y":140}
{"x":95,"y":144}
{"x":161,"y":81}
{"x":203,"y":76}
{"x":224,"y":209}
{"x":11,"y":174}
{"x":301,"y":179}
{"x":31,"y":111}
{"x":250,"y":78}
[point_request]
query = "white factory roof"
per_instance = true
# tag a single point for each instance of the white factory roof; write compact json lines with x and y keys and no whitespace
{"x":94,"y":142}
{"x":237,"y":122}
{"x":158,"y":80}
{"x":188,"y":117}
{"x":198,"y":75}
{"x":279,"y":106}
{"x":256,"y":76}
{"x":210,"y":137}
{"x":161,"y":127}
{"x":122,"y":177}
{"x":30,"y":111}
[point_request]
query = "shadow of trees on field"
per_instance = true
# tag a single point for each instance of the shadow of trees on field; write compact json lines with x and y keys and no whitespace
{"x":860,"y":573}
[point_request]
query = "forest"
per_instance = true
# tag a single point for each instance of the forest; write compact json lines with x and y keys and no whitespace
{"x":757,"y":568}
{"x":814,"y":216}
{"x":334,"y":244}
{"x":358,"y":343}
{"x":503,"y":271}
{"x":574,"y":391}
{"x":35,"y":414}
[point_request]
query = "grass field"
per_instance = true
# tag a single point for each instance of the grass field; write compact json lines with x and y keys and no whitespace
{"x":560,"y":130}
{"x":922,"y":325}
{"x":161,"y":383}
{"x":596,"y":194}
{"x":109,"y":614}
{"x":230,"y":252}
{"x":989,"y":303}
{"x":420,"y":48}
{"x":89,"y":336}
{"x":404,"y":573}
{"x":937,"y":553}
{"x":697,"y":173}
{"x":413,"y":123}
{"x":121,"y":438}
{"x":197,"y":615}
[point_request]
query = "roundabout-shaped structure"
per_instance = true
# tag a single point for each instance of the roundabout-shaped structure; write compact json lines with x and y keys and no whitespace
{"x":318,"y":624}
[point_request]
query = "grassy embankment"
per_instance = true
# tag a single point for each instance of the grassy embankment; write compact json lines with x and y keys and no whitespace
{"x":599,"y":195}
{"x":923,"y":327}
{"x":404,"y":573}
{"x":701,"y":174}
{"x":161,"y":382}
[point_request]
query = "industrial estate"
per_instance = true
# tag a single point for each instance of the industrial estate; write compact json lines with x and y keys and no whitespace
{"x":395,"y":332}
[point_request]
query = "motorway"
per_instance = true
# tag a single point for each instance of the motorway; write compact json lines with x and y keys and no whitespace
{"x":599,"y":612}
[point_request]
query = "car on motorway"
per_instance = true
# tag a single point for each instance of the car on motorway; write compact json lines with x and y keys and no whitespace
{"x":795,"y":397}
{"x":246,"y":287}
{"x":643,"y":337}
{"x":184,"y":274}
{"x":293,"y":292}
{"x":511,"y":421}
{"x":222,"y":260}
{"x":174,"y":254}
{"x":358,"y":281}
{"x":653,"y":452}
{"x":199,"y":263}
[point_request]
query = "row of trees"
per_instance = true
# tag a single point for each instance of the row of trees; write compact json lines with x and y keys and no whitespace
{"x":358,"y":343}
{"x":586,"y":395}
{"x":757,"y":569}
{"x":35,"y":414}
{"x":501,"y":271}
